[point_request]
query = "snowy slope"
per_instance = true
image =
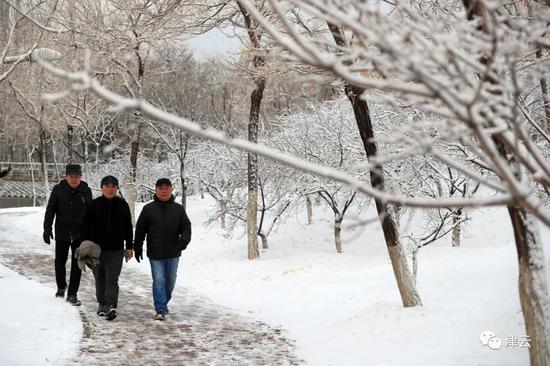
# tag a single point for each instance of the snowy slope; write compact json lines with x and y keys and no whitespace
{"x":344,"y":309}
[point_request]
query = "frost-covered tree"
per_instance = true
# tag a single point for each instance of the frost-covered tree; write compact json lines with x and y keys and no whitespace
{"x":467,"y":64}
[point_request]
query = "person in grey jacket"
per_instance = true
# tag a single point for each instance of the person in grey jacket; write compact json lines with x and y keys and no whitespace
{"x":168,"y":231}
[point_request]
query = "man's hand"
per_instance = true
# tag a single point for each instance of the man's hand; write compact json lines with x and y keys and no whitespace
{"x":47,"y":235}
{"x":128,"y":253}
{"x":182,"y":244}
{"x":138,"y":253}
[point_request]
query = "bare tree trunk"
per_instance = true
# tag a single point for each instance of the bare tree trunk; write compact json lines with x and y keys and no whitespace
{"x":69,"y":144}
{"x":252,"y":207}
{"x":457,"y":217}
{"x":182,"y":171}
{"x":254,"y":34}
{"x":264,"y":241}
{"x":29,"y":154}
{"x":533,"y":289}
{"x":405,"y":282}
{"x":223,"y":207}
{"x":309,"y":210}
{"x":43,"y":163}
{"x":544,"y":92}
{"x":131,"y":187}
{"x":54,"y":158}
{"x":337,"y":232}
{"x":415,"y":262}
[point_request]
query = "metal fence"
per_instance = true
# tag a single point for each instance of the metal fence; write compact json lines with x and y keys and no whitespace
{"x":26,"y":171}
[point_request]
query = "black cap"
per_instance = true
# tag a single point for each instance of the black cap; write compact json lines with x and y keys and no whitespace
{"x":162,"y":182}
{"x":109,"y":179}
{"x":73,"y":169}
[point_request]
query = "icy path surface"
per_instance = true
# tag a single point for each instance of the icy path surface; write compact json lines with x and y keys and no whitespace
{"x":196,"y":332}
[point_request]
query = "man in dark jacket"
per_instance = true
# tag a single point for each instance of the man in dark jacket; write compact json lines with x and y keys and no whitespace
{"x":168,"y":231}
{"x":108,"y":223}
{"x":67,"y":204}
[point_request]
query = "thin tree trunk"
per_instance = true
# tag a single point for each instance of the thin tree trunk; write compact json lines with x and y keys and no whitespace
{"x":252,"y":207}
{"x":131,"y":187}
{"x":69,"y":144}
{"x":43,"y":163}
{"x":405,"y":281}
{"x":182,"y":171}
{"x":337,"y":232}
{"x":309,"y":210}
{"x":264,"y":241}
{"x":457,"y":217}
{"x":223,"y":207}
{"x":254,"y":34}
{"x":544,"y":92}
{"x":54,"y":158}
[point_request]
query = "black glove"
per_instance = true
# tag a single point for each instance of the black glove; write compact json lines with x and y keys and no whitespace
{"x":138,"y":254}
{"x":9,"y":169}
{"x":47,"y":235}
{"x":182,"y":244}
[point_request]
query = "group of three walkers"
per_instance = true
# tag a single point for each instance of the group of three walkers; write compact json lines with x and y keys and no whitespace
{"x":106,"y":221}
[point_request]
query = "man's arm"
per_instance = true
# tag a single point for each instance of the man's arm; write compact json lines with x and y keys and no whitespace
{"x":128,"y":227}
{"x":185,"y":228}
{"x":142,"y":227}
{"x":51,"y":210}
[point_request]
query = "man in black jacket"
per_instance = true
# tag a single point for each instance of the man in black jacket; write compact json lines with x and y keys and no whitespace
{"x":108,"y":223}
{"x":67,"y":204}
{"x":168,"y":231}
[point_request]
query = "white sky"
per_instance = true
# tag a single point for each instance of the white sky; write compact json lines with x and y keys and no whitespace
{"x":214,"y":44}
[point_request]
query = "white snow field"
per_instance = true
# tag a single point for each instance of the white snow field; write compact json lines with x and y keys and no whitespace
{"x":341,"y":309}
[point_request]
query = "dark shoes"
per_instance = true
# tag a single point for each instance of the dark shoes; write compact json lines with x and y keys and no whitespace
{"x":159,"y":316}
{"x":102,"y":310}
{"x":73,"y":300}
{"x":111,"y":314}
{"x":60,"y":292}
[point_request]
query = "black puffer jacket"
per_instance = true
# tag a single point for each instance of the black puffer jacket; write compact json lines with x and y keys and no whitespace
{"x":167,"y":227}
{"x":107,"y":222}
{"x":68,"y":206}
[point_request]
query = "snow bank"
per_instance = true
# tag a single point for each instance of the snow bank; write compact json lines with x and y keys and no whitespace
{"x":37,"y":328}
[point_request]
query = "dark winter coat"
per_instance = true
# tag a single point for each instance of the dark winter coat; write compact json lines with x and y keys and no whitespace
{"x":68,"y":206}
{"x":167,"y":227}
{"x":108,"y":222}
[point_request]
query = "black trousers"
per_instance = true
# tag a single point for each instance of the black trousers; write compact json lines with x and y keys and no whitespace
{"x":106,"y":277}
{"x":61,"y":256}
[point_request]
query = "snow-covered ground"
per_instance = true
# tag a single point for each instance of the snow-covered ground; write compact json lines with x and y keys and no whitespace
{"x":35,"y":327}
{"x":342,"y":309}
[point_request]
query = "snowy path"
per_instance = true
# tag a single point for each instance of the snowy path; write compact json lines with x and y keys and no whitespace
{"x":196,"y":331}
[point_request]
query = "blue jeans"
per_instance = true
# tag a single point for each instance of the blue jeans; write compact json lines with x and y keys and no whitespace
{"x":164,"y":273}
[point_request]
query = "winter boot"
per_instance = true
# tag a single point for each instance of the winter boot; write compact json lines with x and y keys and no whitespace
{"x":111,"y":314}
{"x":102,"y":310}
{"x":60,"y":292}
{"x":73,"y":300}
{"x":159,"y":316}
